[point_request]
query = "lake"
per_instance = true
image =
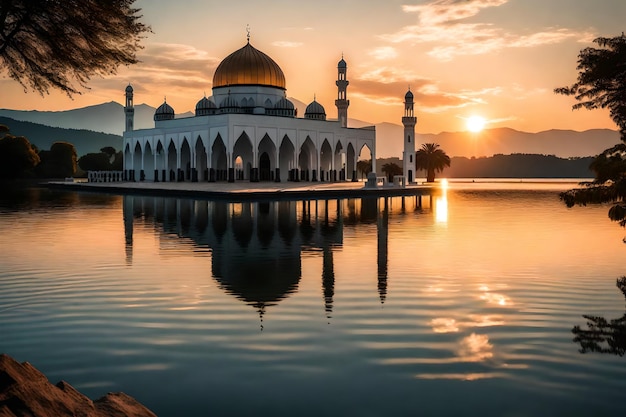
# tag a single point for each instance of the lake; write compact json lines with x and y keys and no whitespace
{"x":459,"y":304}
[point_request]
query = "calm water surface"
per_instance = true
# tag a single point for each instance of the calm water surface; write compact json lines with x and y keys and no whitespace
{"x":462,"y":305}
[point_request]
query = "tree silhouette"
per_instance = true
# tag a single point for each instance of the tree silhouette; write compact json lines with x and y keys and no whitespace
{"x":602,"y":84}
{"x":602,"y":335}
{"x":431,"y":159}
{"x":53,"y":44}
{"x":17,"y":157}
{"x":391,"y":169}
{"x":364,"y":167}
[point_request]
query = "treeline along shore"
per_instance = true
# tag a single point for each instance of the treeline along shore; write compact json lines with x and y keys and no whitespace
{"x":511,"y":166}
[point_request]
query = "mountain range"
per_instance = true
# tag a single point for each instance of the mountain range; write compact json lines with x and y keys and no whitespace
{"x":108,"y":118}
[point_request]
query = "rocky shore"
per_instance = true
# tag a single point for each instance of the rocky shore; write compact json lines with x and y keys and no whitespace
{"x":24,"y":391}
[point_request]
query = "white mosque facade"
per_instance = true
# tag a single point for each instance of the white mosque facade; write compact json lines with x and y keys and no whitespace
{"x":247,"y":130}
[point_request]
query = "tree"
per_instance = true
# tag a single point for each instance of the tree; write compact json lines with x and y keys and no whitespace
{"x":364,"y":167}
{"x":95,"y":162}
{"x":4,"y":130}
{"x":602,"y":335}
{"x":431,"y":159}
{"x":17,"y":157}
{"x":601,"y":80}
{"x":391,"y":169}
{"x":53,"y":44}
{"x":108,"y":159}
{"x":602,"y":84}
{"x":58,"y":162}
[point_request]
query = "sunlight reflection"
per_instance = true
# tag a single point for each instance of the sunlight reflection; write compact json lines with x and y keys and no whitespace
{"x":449,"y":325}
{"x":494,"y":298}
{"x":444,"y":325}
{"x":441,"y":209}
{"x":475,"y":348}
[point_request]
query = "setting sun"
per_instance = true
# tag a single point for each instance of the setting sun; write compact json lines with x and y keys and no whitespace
{"x":475,"y":123}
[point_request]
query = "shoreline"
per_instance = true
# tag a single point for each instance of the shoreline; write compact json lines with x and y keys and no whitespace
{"x":245,"y":191}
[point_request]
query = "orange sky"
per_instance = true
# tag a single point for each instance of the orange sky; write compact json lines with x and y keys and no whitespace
{"x":500,"y":59}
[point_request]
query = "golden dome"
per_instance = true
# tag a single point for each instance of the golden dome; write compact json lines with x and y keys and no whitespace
{"x":248,"y":66}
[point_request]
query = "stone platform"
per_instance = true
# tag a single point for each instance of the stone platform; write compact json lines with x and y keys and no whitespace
{"x":243,"y":190}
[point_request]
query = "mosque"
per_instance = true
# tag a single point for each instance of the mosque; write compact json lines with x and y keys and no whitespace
{"x":248,"y":130}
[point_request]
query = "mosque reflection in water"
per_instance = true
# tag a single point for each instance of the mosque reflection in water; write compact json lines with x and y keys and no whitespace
{"x":256,"y":247}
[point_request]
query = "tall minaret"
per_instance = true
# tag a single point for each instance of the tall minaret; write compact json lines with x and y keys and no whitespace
{"x":129,"y":109}
{"x":409,"y":120}
{"x":342,"y":85}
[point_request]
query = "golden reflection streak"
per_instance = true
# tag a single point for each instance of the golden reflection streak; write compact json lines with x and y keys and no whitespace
{"x":441,"y":204}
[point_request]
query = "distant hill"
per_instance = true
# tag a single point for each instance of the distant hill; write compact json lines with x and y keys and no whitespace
{"x":561,"y":143}
{"x":85,"y":141}
{"x":109,"y":118}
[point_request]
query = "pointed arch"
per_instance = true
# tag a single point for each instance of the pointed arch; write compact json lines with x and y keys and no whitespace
{"x":243,"y":148}
{"x":286,"y":160}
{"x":326,"y":160}
{"x":185,"y":159}
{"x":200,"y":159}
{"x":148,"y":162}
{"x":267,"y":158}
{"x":219,"y":161}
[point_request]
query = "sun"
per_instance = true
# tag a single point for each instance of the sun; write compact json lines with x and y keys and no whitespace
{"x":475,"y":123}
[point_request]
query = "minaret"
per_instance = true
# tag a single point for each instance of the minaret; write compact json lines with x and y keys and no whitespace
{"x":129,"y":109}
{"x":408,"y":156}
{"x":342,"y":85}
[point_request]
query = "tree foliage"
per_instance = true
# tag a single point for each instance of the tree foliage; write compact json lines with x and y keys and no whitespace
{"x":58,"y":162}
{"x":431,"y":158}
{"x":108,"y":159}
{"x":601,"y":80}
{"x":48,"y":44}
{"x":364,"y":167}
{"x":602,"y":84}
{"x":391,"y":169}
{"x":602,"y":335}
{"x":18,"y":158}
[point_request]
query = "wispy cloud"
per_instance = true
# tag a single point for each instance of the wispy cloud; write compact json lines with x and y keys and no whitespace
{"x":387,"y":86}
{"x":384,"y":52}
{"x":442,"y":22}
{"x":287,"y":44}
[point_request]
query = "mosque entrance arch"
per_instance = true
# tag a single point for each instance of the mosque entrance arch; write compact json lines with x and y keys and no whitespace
{"x":184,"y":174}
{"x":265,"y":170}
{"x":172,"y":164}
{"x":267,"y":147}
{"x":200,"y":168}
{"x":243,"y":149}
{"x":137,"y":163}
{"x":350,"y":163}
{"x":326,"y":161}
{"x":286,"y":154}
{"x":148,"y":163}
{"x":219,"y":162}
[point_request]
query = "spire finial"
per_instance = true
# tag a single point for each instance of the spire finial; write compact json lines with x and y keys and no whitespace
{"x":165,"y":99}
{"x":248,"y":31}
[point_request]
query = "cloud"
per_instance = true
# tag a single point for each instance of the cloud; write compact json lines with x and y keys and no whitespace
{"x":441,"y":21}
{"x":384,"y":52}
{"x":387,"y":86}
{"x":287,"y":44}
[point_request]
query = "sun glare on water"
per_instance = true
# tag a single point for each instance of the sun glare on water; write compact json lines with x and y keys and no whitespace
{"x":475,"y":123}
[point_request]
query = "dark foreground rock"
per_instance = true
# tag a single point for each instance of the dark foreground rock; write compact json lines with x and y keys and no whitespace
{"x":24,"y":391}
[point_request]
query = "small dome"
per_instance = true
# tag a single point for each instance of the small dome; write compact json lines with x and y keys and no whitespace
{"x":284,"y":104}
{"x":248,"y":66}
{"x":205,"y":106}
{"x":315,"y":111}
{"x":164,"y":112}
{"x":229,"y":105}
{"x":408,"y":96}
{"x":342,"y":64}
{"x":129,"y":89}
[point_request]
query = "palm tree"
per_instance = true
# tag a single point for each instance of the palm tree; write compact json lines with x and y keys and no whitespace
{"x":364,"y":166}
{"x":391,"y":169}
{"x":431,"y":159}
